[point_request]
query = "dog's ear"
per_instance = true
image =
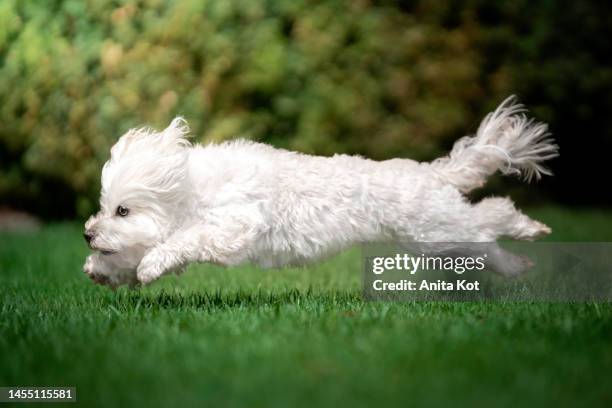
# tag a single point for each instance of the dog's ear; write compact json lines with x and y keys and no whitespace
{"x":176,"y":132}
{"x":122,"y":145}
{"x":175,"y":135}
{"x":150,"y":158}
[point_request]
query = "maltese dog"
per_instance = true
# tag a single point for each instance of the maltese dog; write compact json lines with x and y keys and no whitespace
{"x":166,"y":203}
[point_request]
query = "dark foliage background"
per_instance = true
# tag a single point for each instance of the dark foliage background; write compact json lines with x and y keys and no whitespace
{"x":378,"y":78}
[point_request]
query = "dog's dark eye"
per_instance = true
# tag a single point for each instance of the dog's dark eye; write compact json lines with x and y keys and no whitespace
{"x":122,"y":211}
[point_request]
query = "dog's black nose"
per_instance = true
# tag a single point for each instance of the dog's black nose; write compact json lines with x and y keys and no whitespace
{"x":88,"y":235}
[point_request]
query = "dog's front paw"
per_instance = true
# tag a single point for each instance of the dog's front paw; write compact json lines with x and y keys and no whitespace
{"x":88,"y":268}
{"x":149,"y":269}
{"x":94,"y":269}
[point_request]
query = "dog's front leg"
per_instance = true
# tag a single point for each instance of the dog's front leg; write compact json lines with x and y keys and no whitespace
{"x":226,"y":239}
{"x":166,"y":257}
{"x":97,"y":269}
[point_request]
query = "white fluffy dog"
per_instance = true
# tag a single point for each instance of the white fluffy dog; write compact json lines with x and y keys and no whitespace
{"x":166,"y":203}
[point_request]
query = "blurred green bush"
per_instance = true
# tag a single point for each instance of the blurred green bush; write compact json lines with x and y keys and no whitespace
{"x":383,"y":79}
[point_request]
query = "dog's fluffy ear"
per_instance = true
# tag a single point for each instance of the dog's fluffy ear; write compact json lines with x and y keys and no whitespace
{"x":146,"y":158}
{"x":136,"y":139}
{"x":177,"y":132}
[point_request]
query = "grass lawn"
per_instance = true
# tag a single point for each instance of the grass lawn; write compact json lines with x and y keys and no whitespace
{"x":251,"y":337}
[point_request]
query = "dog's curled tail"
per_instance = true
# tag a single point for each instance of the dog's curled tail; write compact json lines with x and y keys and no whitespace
{"x":506,"y":140}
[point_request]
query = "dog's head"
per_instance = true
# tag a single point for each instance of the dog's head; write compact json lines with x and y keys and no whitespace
{"x":143,"y":184}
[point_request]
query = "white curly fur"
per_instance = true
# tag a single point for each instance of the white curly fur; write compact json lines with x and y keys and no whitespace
{"x":243,"y":201}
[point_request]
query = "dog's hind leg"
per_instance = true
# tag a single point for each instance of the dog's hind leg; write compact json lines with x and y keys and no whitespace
{"x":445,"y":215}
{"x":495,"y":257}
{"x":497,"y":217}
{"x":505,"y":262}
{"x":451,"y":226}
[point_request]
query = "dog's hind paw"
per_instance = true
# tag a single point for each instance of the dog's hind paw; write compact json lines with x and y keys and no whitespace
{"x":534,"y":230}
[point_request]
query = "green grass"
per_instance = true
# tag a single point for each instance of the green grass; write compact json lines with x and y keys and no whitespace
{"x":251,"y":337}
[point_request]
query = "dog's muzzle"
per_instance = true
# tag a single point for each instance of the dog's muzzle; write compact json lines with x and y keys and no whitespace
{"x":88,"y":235}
